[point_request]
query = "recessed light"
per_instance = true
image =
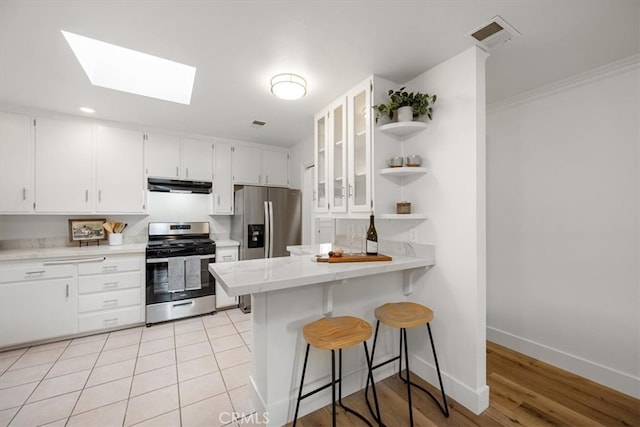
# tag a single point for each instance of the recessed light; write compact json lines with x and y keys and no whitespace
{"x":127,"y":70}
{"x":87,"y":110}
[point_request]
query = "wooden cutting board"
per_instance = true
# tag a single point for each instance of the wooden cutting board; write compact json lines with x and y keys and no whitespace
{"x":353,"y":258}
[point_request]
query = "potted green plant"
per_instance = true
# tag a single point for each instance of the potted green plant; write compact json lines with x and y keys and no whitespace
{"x":405,"y":106}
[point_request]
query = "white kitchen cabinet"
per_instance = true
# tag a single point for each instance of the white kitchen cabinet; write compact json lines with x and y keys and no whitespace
{"x":359,"y":148}
{"x":37,"y":302}
{"x":321,"y":161}
{"x":246,"y":163}
{"x":16,"y":155}
{"x":342,"y":155}
{"x":225,"y":254}
{"x":111,"y":292}
{"x":173,"y":157}
{"x":260,"y":166}
{"x":162,"y":156}
{"x":64,"y":155}
{"x":275,"y":168}
{"x":222,"y":180}
{"x":196,"y":160}
{"x":120,"y":183}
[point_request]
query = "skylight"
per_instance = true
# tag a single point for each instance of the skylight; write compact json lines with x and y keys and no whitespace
{"x":127,"y":70}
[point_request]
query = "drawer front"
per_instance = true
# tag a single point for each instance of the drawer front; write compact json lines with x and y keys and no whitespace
{"x":111,"y":282}
{"x":108,"y":300}
{"x":226,"y":255}
{"x":111,"y":265}
{"x":110,"y":319}
{"x":34,"y":272}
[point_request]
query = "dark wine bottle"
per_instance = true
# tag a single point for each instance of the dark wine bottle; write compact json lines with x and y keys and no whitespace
{"x":372,"y":238}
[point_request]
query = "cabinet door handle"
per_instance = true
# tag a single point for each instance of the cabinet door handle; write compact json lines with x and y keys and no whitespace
{"x":40,"y":272}
{"x":24,"y":193}
{"x":110,"y":285}
{"x":350,"y":190}
{"x":86,"y":195}
{"x":218,"y":200}
{"x":110,"y":321}
{"x":187,"y":171}
{"x":67,"y":290}
{"x":109,"y":268}
{"x":266,"y":179}
{"x":110,"y":302}
{"x":99,"y":195}
{"x":177,"y":171}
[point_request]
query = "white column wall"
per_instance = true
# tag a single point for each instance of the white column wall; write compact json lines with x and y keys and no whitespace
{"x":563,"y":212}
{"x":453,"y":196}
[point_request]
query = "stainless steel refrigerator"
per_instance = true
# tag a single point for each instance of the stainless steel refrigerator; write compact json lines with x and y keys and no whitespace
{"x":265,"y":221}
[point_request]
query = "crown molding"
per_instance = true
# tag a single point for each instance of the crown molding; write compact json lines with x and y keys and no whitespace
{"x":607,"y":70}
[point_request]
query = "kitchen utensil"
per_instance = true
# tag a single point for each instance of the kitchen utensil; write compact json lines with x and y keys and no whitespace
{"x":414,"y":160}
{"x":403,"y":207}
{"x":108,"y":226}
{"x":396,"y":162}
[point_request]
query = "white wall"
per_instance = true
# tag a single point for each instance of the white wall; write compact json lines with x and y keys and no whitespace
{"x":300,"y":155}
{"x":563,"y":212}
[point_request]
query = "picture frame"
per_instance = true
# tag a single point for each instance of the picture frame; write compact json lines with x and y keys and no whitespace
{"x":87,"y":229}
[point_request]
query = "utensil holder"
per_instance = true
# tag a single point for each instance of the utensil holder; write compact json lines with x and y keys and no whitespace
{"x":115,"y":239}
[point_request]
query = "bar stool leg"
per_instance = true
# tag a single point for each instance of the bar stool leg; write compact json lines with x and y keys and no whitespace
{"x":370,"y":378}
{"x":333,"y":388}
{"x":304,"y":369}
{"x":444,"y":409}
{"x":403,"y":332}
{"x":378,"y":417}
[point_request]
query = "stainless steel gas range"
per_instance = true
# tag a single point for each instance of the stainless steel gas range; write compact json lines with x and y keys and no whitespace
{"x":178,"y":282}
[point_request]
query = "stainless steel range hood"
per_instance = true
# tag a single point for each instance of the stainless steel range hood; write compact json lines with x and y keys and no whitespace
{"x":179,"y":186}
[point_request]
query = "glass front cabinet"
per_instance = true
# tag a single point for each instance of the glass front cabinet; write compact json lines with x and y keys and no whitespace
{"x":343,"y":154}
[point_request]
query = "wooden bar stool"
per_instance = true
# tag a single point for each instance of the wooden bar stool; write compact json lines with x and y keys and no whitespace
{"x":405,"y":315}
{"x":336,"y":333}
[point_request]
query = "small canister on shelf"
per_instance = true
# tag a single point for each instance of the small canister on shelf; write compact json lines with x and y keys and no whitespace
{"x":414,"y":160}
{"x":396,"y":162}
{"x":403,"y":207}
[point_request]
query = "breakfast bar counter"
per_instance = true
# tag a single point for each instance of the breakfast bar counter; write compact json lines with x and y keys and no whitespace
{"x":289,"y":292}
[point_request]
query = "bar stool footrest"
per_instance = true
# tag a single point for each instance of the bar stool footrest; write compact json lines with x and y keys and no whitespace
{"x":445,"y":410}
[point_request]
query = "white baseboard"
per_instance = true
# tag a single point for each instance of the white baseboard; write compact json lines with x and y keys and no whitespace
{"x":601,"y":374}
{"x":474,"y":400}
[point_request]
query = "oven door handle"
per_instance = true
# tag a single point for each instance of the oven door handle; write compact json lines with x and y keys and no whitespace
{"x":178,"y":304}
{"x":161,"y":260}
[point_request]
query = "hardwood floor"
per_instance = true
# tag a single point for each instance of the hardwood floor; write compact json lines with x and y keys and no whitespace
{"x":524,"y":392}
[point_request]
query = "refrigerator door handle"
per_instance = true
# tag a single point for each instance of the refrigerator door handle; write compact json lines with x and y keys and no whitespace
{"x":270,"y":229}
{"x":267,"y":230}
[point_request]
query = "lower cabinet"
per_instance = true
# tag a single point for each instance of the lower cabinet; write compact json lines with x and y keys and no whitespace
{"x":225,"y":254}
{"x":37,"y":303}
{"x":51,"y":298}
{"x":111,"y":293}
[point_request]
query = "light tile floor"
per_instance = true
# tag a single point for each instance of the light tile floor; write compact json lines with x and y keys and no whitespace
{"x":191,"y":372}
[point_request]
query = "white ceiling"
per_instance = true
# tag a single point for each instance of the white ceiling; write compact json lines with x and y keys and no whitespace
{"x":237,"y":46}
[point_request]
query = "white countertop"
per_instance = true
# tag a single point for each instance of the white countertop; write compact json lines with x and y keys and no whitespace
{"x":271,"y":274}
{"x":71,"y":251}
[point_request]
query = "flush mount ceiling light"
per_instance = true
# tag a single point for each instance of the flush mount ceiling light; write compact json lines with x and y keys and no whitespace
{"x":127,"y":70}
{"x":288,"y":86}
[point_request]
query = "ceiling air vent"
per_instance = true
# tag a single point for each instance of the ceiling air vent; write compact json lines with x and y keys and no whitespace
{"x":258,"y":124}
{"x":493,"y":33}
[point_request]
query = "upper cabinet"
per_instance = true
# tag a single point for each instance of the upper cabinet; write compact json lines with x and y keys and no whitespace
{"x":16,"y":157}
{"x":64,"y":166}
{"x":247,"y":165}
{"x":275,"y":167}
{"x":178,"y":158}
{"x":260,"y":166}
{"x":119,"y":150}
{"x":342,"y":147}
{"x":197,"y":161}
{"x":360,"y":177}
{"x":222,"y":179}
